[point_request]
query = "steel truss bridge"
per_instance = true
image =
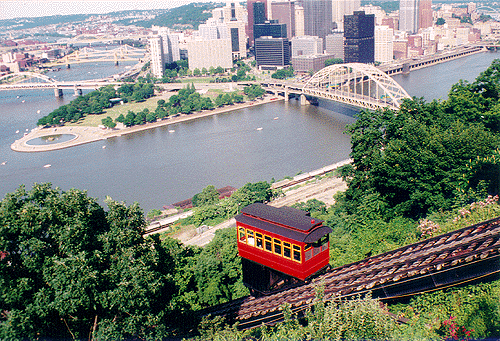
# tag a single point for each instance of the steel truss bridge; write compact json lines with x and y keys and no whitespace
{"x":33,"y":80}
{"x":89,"y":54}
{"x":355,"y":84}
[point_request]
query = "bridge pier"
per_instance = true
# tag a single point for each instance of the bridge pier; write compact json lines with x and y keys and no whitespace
{"x":303,"y":100}
{"x":58,"y":92}
{"x":78,"y":91}
{"x":286,"y":95}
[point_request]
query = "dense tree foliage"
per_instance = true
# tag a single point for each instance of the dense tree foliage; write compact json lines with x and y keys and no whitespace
{"x":283,"y":73}
{"x":253,"y":91}
{"x":190,"y":16}
{"x":95,"y":102}
{"x":427,"y":157}
{"x":210,"y":210}
{"x":333,"y":61}
{"x":72,"y":269}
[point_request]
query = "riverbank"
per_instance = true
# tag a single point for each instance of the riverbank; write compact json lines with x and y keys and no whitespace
{"x":85,"y":135}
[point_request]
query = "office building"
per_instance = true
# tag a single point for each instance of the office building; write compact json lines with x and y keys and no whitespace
{"x":340,"y":8}
{"x":284,"y":12}
{"x":170,"y":42}
{"x":157,"y":60}
{"x":299,"y":21}
{"x":310,"y":63}
{"x":272,"y":52}
{"x":334,"y":44}
{"x":359,"y":38}
{"x":317,"y":17}
{"x":306,"y":45}
{"x":424,"y":14}
{"x":206,"y":53}
{"x":233,"y":16}
{"x":257,"y":14}
{"x":383,"y":44}
{"x":270,"y":28}
{"x":408,"y":15}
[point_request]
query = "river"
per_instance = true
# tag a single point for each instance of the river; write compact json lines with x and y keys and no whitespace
{"x":159,"y":167}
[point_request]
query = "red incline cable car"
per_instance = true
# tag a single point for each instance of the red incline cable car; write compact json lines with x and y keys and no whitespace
{"x":280,"y":246}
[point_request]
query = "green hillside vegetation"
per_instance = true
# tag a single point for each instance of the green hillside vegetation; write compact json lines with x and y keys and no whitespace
{"x":187,"y":16}
{"x":71,"y":269}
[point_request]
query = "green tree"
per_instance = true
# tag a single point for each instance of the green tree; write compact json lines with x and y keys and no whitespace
{"x":440,"y":21}
{"x":208,"y":196}
{"x":333,"y":61}
{"x":108,"y":122}
{"x":72,"y":269}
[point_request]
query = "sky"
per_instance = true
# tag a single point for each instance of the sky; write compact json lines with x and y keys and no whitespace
{"x":39,"y":8}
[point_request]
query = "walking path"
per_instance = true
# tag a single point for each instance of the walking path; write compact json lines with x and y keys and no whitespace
{"x":92,"y":134}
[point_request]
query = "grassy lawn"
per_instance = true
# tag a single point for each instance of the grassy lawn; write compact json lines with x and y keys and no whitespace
{"x":115,"y":111}
{"x":197,"y":80}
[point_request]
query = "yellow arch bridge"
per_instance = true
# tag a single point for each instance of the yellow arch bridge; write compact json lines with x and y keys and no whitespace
{"x":355,"y":84}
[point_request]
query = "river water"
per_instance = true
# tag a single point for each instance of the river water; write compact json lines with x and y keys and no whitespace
{"x":159,"y":167}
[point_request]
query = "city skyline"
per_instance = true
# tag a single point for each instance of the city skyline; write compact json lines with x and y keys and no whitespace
{"x":11,"y":9}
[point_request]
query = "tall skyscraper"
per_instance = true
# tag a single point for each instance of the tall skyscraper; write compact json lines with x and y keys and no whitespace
{"x":383,"y":44}
{"x":257,"y":14}
{"x":408,"y":15}
{"x":157,"y":61}
{"x":299,"y":21}
{"x":284,"y":12}
{"x":272,"y":51}
{"x":359,"y":38}
{"x":424,"y":14}
{"x":334,"y":44}
{"x":233,"y":16}
{"x":317,"y":17}
{"x":270,"y":28}
{"x":340,"y":8}
{"x":306,"y":45}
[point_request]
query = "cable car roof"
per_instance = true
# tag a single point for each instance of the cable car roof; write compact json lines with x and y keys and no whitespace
{"x":284,"y":221}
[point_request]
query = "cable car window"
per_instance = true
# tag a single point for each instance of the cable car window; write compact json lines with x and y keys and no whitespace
{"x":287,"y":252}
{"x":308,"y":254}
{"x":277,"y":246}
{"x":268,"y":244}
{"x":241,"y":235}
{"x":324,"y":246}
{"x":296,"y":253}
{"x":251,"y":238}
{"x":259,"y":243}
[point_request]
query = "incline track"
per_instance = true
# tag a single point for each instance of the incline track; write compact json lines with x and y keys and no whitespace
{"x":450,"y":259}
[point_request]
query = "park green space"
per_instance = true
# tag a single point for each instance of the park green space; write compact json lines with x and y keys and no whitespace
{"x":116,"y":110}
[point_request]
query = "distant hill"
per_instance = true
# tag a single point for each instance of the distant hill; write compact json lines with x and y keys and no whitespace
{"x":387,"y":6}
{"x":24,"y":23}
{"x":190,"y":15}
{"x":187,"y":16}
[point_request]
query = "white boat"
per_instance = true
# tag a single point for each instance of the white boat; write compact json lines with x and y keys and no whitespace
{"x":275,"y":118}
{"x":47,"y":166}
{"x":3,"y":163}
{"x":17,"y":131}
{"x":260,"y":128}
{"x":103,"y":147}
{"x":171,"y":131}
{"x":38,"y":111}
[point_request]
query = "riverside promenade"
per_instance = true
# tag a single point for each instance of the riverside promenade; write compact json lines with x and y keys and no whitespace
{"x":83,"y":135}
